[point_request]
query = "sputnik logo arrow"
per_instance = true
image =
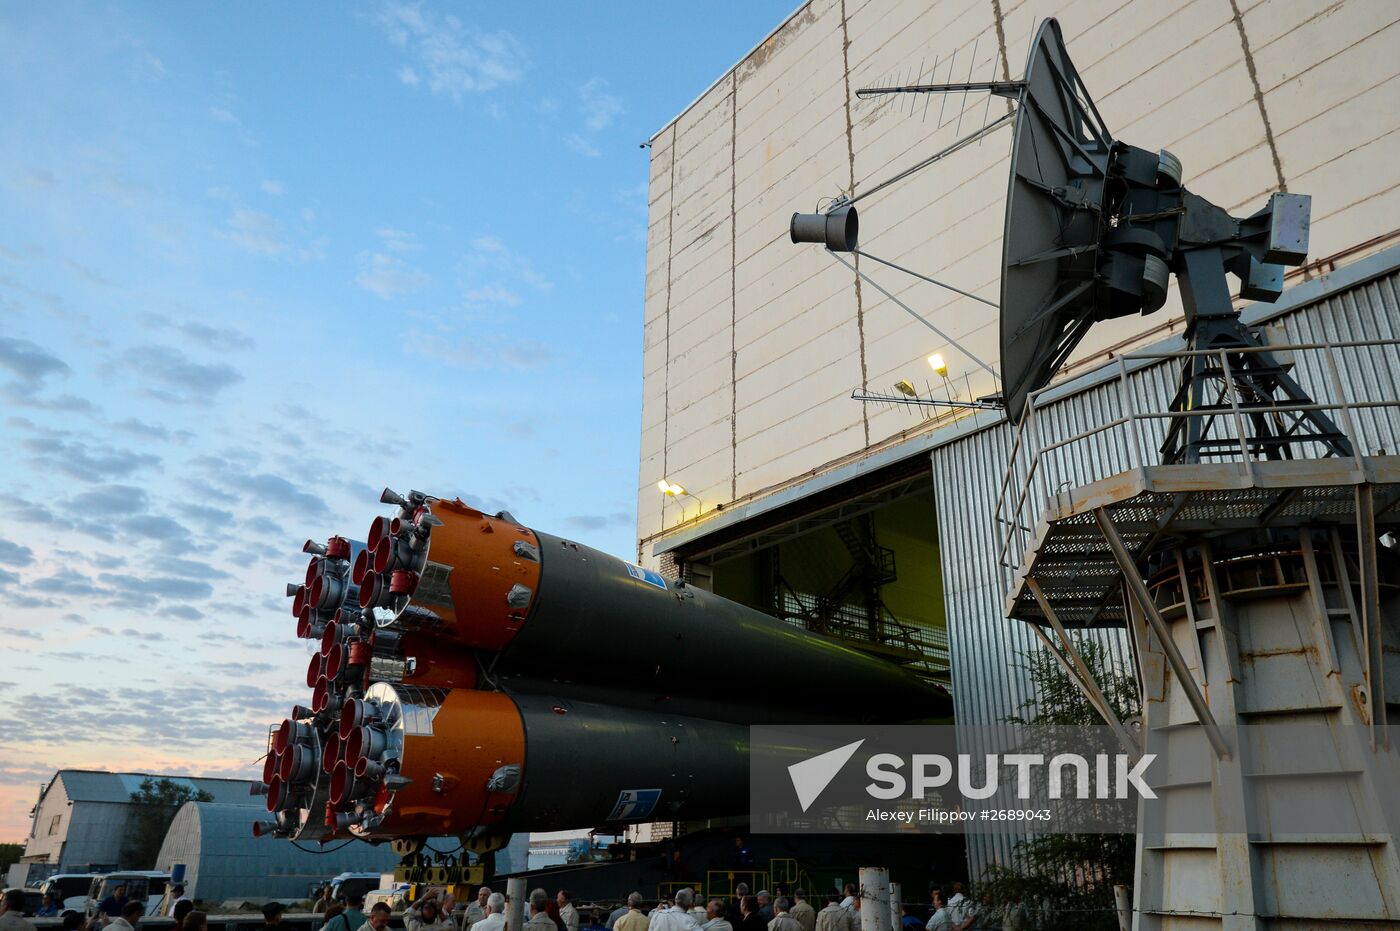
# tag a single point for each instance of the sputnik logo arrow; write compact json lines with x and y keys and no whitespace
{"x":811,"y":777}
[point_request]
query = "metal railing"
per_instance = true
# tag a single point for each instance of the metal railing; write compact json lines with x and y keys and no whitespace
{"x":1359,"y":379}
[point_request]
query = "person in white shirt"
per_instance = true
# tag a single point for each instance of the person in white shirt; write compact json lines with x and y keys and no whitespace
{"x":433,"y":912}
{"x":567,"y":913}
{"x":177,"y":895}
{"x":714,"y":917}
{"x":849,"y":902}
{"x":678,"y":916}
{"x":942,"y":918}
{"x":959,"y":908}
{"x":130,"y":917}
{"x":539,"y":912}
{"x":476,"y":909}
{"x":495,"y":919}
{"x":378,"y":917}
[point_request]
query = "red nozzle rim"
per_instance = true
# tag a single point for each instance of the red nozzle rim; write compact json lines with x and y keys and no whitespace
{"x":352,"y":715}
{"x":330,"y":753}
{"x":287,"y":763}
{"x":259,"y":827}
{"x":377,"y":529}
{"x":314,"y":671}
{"x":329,"y":637}
{"x":363,"y":563}
{"x":355,"y":745}
{"x":304,"y":618}
{"x":362,"y":767}
{"x":270,"y":766}
{"x":283,"y":740}
{"x":367,"y":597}
{"x":338,"y":548}
{"x":320,"y":694}
{"x":396,"y":526}
{"x":313,"y":569}
{"x":340,"y":783}
{"x":384,"y":554}
{"x":274,"y":793}
{"x":335,"y":661}
{"x":299,"y":600}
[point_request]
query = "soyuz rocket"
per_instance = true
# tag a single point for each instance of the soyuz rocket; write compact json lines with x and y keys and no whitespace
{"x":476,"y":677}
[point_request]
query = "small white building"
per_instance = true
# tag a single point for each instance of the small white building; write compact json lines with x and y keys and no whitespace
{"x":80,"y":820}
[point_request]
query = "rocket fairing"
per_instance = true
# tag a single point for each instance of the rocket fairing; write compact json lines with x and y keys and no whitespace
{"x":474,"y":675}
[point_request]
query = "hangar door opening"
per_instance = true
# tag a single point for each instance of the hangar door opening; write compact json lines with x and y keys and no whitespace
{"x":865,"y":570}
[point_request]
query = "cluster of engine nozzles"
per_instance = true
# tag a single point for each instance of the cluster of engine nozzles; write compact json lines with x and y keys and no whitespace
{"x":337,"y":752}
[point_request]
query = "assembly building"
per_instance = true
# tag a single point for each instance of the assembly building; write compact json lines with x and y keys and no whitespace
{"x":764,"y":480}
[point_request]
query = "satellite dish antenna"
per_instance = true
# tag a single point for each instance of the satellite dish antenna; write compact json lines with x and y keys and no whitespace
{"x":1094,"y":229}
{"x":1094,"y":226}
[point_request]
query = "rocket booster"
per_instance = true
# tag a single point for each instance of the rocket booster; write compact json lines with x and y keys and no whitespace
{"x":542,"y":601}
{"x":472,"y":675}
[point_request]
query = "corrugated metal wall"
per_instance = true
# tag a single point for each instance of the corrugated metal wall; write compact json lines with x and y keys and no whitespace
{"x":988,"y":678}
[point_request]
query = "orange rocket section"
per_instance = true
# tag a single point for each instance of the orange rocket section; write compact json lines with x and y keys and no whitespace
{"x":448,"y":790}
{"x":494,"y":574}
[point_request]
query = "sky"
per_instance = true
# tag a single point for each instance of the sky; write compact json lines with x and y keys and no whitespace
{"x":258,"y":262}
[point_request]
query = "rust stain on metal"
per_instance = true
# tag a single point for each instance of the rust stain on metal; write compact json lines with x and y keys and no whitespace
{"x":776,"y":41}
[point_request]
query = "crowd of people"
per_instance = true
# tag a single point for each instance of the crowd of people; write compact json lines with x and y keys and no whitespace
{"x":437,"y":910}
{"x":762,"y":911}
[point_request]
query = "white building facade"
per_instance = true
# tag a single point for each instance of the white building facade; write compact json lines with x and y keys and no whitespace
{"x":753,"y":345}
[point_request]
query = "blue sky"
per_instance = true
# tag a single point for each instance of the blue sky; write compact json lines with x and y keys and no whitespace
{"x":258,"y":262}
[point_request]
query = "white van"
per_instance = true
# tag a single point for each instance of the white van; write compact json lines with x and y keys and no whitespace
{"x":71,"y":890}
{"x":146,"y":886}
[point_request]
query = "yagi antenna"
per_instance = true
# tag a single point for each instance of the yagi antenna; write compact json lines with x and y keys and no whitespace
{"x":1094,"y":229}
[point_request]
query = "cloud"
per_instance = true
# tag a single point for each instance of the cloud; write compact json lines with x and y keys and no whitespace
{"x":227,"y":118}
{"x":221,"y":339}
{"x":54,"y":304}
{"x":107,"y":501}
{"x":599,"y":521}
{"x":8,"y":578}
{"x":275,"y":188}
{"x":13,"y":554}
{"x":388,"y":276}
{"x":58,"y":454}
{"x":598,"y":107}
{"x":257,"y":232}
{"x":397,"y":240}
{"x":149,"y":431}
{"x":177,"y":378}
{"x":23,"y":632}
{"x":32,"y":366}
{"x":30,"y":362}
{"x":66,"y":581}
{"x":480,"y":352}
{"x":234,"y":481}
{"x":447,"y":55}
{"x":491,"y":256}
{"x":582,"y":146}
{"x":490,"y":294}
{"x":158,"y":528}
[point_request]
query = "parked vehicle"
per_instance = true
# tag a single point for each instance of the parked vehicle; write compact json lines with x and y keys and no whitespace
{"x":146,"y":886}
{"x":32,"y":900}
{"x":71,"y":890}
{"x":395,"y":896}
{"x":348,"y":884}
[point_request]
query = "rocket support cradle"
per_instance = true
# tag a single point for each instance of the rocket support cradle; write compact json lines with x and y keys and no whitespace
{"x":443,"y":701}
